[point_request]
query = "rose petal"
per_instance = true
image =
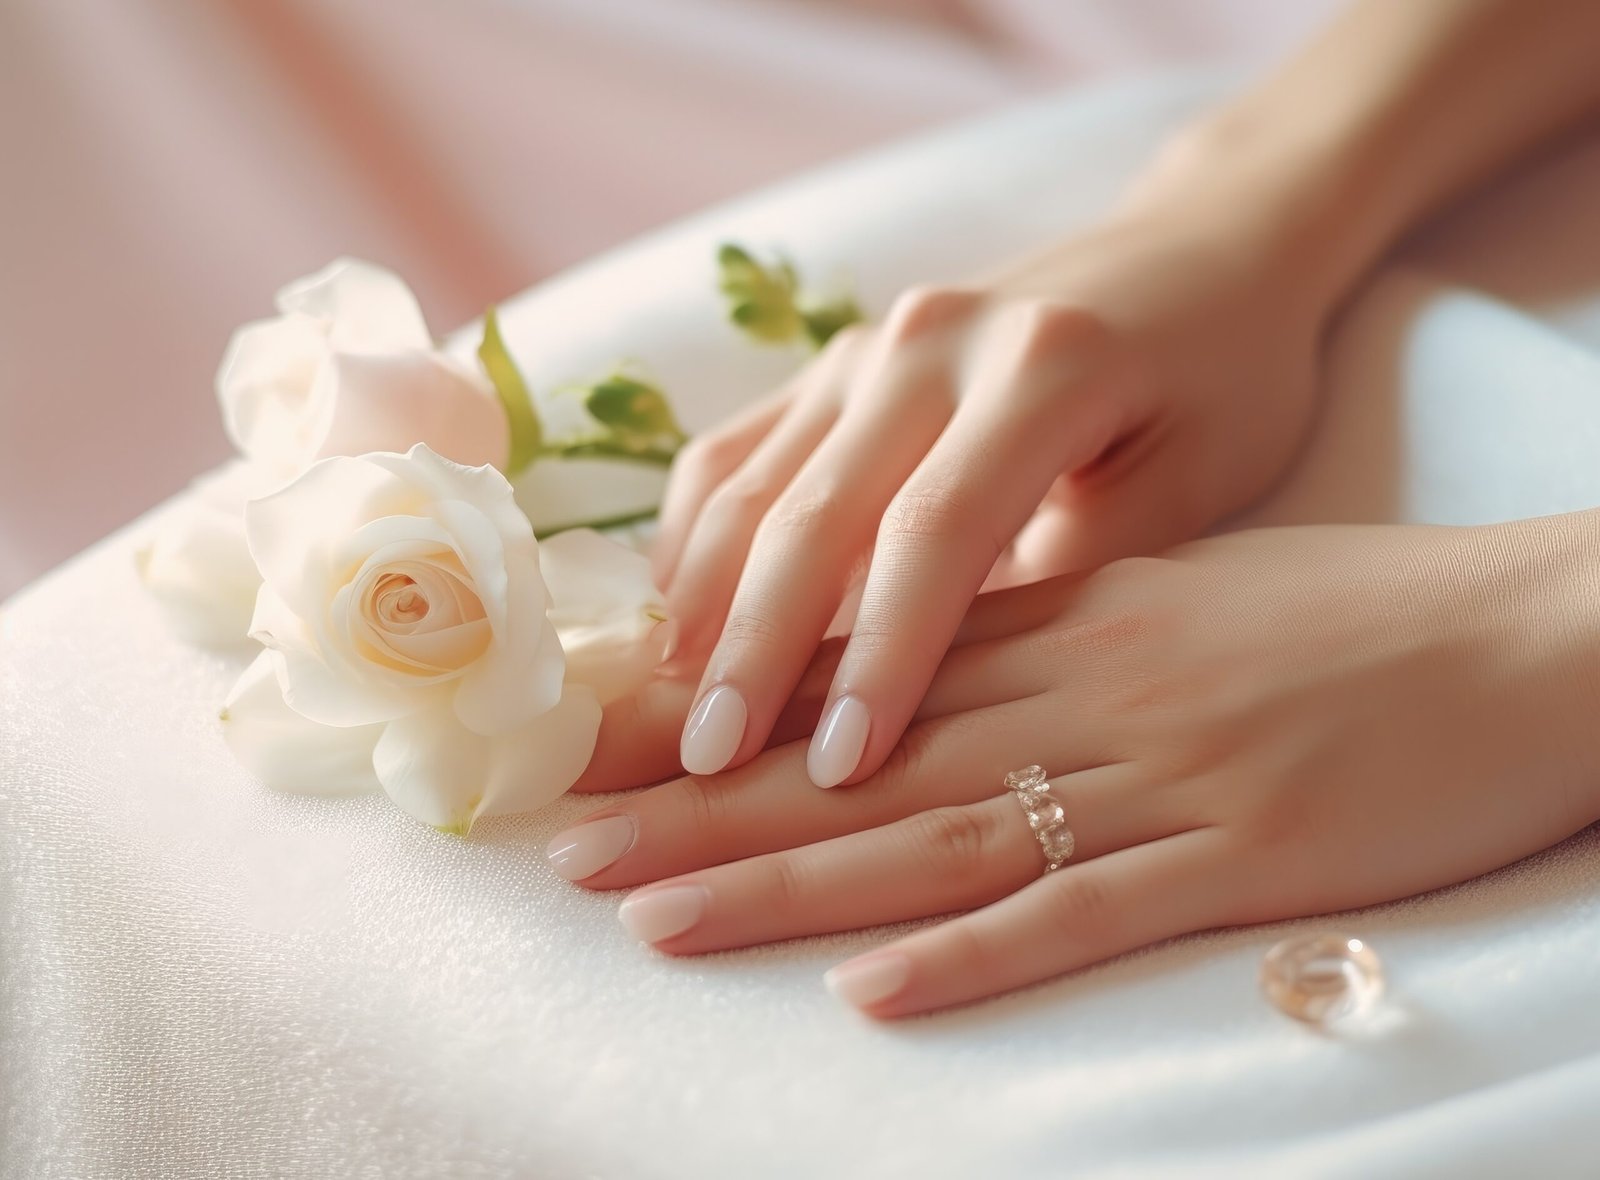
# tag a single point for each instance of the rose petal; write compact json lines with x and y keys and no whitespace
{"x":264,"y":388}
{"x":520,"y":676}
{"x":288,"y":752}
{"x":322,"y":692}
{"x":196,"y":563}
{"x":484,"y":488}
{"x":299,"y":535}
{"x":533,"y":765}
{"x":445,"y":775}
{"x":364,"y":308}
{"x":392,"y":402}
{"x":434,"y":768}
{"x":514,"y":681}
{"x":606,"y":610}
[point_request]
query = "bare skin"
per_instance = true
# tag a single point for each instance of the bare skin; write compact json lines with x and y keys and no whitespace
{"x":1119,"y":394}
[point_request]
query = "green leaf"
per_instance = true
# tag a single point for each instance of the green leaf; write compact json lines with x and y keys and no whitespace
{"x":761,"y":299}
{"x":527,"y":436}
{"x":636,"y":413}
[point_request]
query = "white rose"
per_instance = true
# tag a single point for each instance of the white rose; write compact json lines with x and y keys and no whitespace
{"x":195,"y":562}
{"x":349,"y":367}
{"x":421,"y":641}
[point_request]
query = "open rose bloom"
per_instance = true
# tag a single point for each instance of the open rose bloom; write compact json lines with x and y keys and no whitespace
{"x":420,"y":641}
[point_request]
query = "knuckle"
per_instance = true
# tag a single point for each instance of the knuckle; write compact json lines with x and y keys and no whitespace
{"x":930,"y":514}
{"x":749,"y":629}
{"x":964,"y":952}
{"x":742,"y":497}
{"x":1049,"y":327}
{"x":1079,"y":905}
{"x":954,"y":841}
{"x":710,"y":452}
{"x":846,"y":342}
{"x":926,"y":308}
{"x":808,"y":516}
{"x":783,"y":889}
{"x":706,"y":807}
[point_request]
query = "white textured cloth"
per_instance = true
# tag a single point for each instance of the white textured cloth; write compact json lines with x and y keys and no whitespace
{"x":199,"y":978}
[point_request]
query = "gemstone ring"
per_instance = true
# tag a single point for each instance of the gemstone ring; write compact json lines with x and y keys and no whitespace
{"x":1045,"y":816}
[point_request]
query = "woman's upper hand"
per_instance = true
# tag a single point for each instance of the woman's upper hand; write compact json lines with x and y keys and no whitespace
{"x":1254,"y":727}
{"x":1118,"y":394}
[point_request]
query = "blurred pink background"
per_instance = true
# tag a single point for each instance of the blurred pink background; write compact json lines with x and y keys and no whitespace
{"x":169,"y":163}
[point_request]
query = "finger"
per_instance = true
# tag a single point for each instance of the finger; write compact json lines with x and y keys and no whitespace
{"x":638,"y":740}
{"x":702,"y":464}
{"x":714,"y":553}
{"x":946,"y":527}
{"x":1079,"y":915}
{"x":807,"y":547}
{"x":691,"y":823}
{"x":1000,"y":614}
{"x":930,"y":862}
{"x":936,"y":861}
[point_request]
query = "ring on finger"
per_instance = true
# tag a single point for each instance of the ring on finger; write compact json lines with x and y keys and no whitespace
{"x":1046,"y":817}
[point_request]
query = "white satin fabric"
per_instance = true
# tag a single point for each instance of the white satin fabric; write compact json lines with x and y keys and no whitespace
{"x":199,"y":978}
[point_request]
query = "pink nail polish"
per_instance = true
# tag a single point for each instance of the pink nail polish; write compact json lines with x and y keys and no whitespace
{"x":837,"y":745}
{"x":871,"y":978}
{"x":715,"y":729}
{"x":586,"y":849}
{"x":652,"y":915}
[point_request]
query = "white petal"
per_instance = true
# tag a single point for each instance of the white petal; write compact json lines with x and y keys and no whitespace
{"x":365,"y":308}
{"x":447,"y":776}
{"x":323,"y":690}
{"x":197,"y":566}
{"x":606,"y":610}
{"x":434,"y":768}
{"x":264,"y":388}
{"x":590,"y":576}
{"x":299,"y":534}
{"x":288,"y":752}
{"x":509,"y":686}
{"x":441,"y":479}
{"x":537,"y":763}
{"x":394,"y":401}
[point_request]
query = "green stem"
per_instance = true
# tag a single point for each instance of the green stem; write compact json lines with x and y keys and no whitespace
{"x":605,"y":522}
{"x":608,"y":450}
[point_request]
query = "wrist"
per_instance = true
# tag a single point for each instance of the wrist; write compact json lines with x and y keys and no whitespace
{"x":1553,"y":594}
{"x":1289,"y":194}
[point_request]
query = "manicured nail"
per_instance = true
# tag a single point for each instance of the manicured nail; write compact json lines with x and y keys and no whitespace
{"x":715,"y":729}
{"x":586,"y":849}
{"x":836,"y":746}
{"x":870,"y":978}
{"x":654,"y":914}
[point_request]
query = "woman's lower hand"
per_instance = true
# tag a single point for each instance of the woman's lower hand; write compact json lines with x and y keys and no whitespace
{"x":1255,"y":727}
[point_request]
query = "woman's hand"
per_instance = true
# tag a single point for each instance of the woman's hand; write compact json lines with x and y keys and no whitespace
{"x":1260,"y":726}
{"x":1120,"y":393}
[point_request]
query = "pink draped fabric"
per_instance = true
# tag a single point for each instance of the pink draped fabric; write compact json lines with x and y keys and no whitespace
{"x":169,"y":163}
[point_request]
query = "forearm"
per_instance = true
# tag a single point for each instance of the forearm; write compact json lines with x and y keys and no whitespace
{"x":1395,"y":111}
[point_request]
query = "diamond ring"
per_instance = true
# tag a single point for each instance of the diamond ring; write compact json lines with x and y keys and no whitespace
{"x":1045,"y":816}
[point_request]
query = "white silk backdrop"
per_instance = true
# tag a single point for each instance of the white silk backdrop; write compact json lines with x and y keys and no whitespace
{"x":170,"y":163}
{"x":199,"y":978}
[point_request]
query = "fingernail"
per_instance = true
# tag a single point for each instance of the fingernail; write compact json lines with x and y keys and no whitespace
{"x":870,"y":978}
{"x":714,"y":731}
{"x":586,"y":849}
{"x":654,"y":914}
{"x":836,"y":747}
